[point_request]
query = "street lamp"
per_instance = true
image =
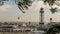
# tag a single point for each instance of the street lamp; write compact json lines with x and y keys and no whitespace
{"x":50,"y":20}
{"x":41,"y":17}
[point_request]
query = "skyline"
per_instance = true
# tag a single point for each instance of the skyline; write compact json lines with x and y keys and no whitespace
{"x":10,"y":12}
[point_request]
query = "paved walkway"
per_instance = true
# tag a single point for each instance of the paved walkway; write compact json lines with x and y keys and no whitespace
{"x":14,"y":33}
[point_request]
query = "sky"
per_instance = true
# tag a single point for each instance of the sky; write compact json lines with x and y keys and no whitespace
{"x":10,"y":12}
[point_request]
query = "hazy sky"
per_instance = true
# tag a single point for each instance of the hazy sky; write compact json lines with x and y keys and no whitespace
{"x":10,"y":12}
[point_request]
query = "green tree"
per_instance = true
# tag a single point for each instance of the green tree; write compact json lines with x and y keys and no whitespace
{"x":54,"y":29}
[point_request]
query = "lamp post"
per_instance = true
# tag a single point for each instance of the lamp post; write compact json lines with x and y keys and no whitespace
{"x":41,"y":18}
{"x":50,"y":20}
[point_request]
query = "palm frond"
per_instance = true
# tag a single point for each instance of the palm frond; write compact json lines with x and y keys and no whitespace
{"x":53,"y":10}
{"x":21,"y":9}
{"x":20,"y":5}
{"x":57,"y":3}
{"x":50,"y":2}
{"x":24,"y":4}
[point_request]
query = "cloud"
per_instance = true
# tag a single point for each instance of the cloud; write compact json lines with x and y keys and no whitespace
{"x":4,"y":7}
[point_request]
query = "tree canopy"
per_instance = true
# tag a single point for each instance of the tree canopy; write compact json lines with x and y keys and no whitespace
{"x":54,"y":29}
